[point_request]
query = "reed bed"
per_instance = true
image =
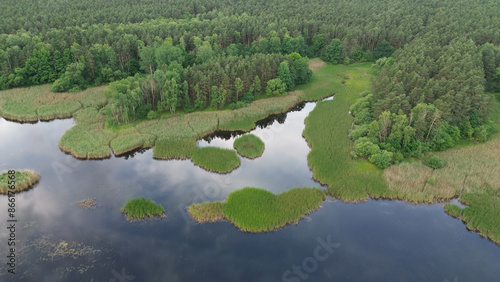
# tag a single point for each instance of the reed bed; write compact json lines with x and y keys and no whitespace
{"x":316,"y":64}
{"x":50,"y":112}
{"x":326,"y":132}
{"x":202,"y":123}
{"x":174,"y":128}
{"x":482,"y":213}
{"x":88,"y":115}
{"x":249,"y":146}
{"x":257,"y":210}
{"x":140,"y":208}
{"x":206,"y":212}
{"x":38,"y":102}
{"x":126,"y":143}
{"x":174,"y":149}
{"x":24,"y":180}
{"x":216,"y":159}
{"x":87,"y":141}
{"x":453,"y":210}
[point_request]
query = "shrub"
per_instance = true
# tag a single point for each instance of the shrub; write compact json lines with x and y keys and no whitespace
{"x":434,"y":162}
{"x":382,"y":159}
{"x":432,"y":180}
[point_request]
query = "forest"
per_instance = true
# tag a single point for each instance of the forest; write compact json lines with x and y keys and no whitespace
{"x":437,"y":61}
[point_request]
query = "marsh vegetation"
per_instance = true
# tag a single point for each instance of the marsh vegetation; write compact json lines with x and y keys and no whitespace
{"x":257,"y":210}
{"x":249,"y":146}
{"x":140,"y":208}
{"x":24,"y":180}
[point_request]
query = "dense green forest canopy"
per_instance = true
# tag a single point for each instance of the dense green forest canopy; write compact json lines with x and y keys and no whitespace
{"x":436,"y":59}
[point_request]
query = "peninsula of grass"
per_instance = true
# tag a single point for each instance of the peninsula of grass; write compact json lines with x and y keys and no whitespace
{"x":326,"y":133}
{"x":140,"y":208}
{"x":249,"y":146}
{"x":23,"y":180}
{"x":257,"y":210}
{"x":216,"y":159}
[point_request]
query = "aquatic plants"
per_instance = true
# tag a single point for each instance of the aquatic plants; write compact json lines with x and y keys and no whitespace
{"x":139,"y":208}
{"x":216,"y":159}
{"x":23,"y":180}
{"x":249,"y":146}
{"x":257,"y":210}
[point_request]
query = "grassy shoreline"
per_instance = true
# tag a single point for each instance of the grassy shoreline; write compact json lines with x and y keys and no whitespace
{"x":24,"y":180}
{"x":256,"y":210}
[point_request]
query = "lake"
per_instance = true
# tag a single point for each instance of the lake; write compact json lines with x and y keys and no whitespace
{"x":373,"y":241}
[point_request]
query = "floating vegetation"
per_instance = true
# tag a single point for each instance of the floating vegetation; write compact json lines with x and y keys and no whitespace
{"x":257,"y":210}
{"x":139,"y":208}
{"x":23,"y":180}
{"x":216,"y":159}
{"x":249,"y":146}
{"x":89,"y":203}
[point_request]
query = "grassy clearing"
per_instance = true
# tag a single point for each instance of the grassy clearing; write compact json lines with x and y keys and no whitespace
{"x":139,"y":208}
{"x":216,"y":159}
{"x":24,"y":180}
{"x":326,"y":132}
{"x":257,"y":210}
{"x":249,"y":146}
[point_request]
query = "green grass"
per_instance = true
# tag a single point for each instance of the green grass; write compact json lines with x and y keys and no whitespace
{"x":257,"y":210}
{"x":30,"y":103}
{"x":453,"y":210}
{"x":139,"y":208}
{"x":216,"y":159}
{"x":482,"y":213}
{"x":206,"y":212}
{"x":165,"y":149}
{"x":326,"y":132}
{"x":24,"y":180}
{"x":249,"y":146}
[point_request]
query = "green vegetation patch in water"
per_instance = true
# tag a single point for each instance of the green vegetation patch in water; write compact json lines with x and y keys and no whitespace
{"x":257,"y":210}
{"x":453,"y":210}
{"x":216,"y":159}
{"x":22,"y":181}
{"x":249,"y":146}
{"x":482,"y":213}
{"x":139,"y":208}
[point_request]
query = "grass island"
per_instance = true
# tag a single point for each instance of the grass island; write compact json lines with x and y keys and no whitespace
{"x":257,"y":210}
{"x":24,"y":180}
{"x":249,"y":146}
{"x":140,"y":208}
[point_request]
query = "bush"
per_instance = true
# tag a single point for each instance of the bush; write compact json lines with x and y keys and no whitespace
{"x":359,"y":131}
{"x":382,"y":159}
{"x":432,"y":180}
{"x":434,"y":162}
{"x":237,"y":105}
{"x":363,"y":147}
{"x":152,"y":115}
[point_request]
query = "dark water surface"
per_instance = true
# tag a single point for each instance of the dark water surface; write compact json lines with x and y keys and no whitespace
{"x":372,"y":241}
